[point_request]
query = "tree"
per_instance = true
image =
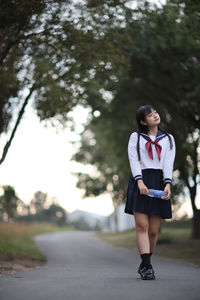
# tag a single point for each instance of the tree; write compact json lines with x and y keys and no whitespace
{"x":53,"y":214}
{"x":19,"y":23}
{"x":22,"y":208}
{"x":37,"y":204}
{"x":8,"y":202}
{"x":56,"y":214}
{"x":164,"y":64}
{"x":49,"y":50}
{"x":100,"y":147}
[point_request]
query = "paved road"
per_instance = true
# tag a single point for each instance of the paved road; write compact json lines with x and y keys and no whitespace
{"x":82,"y":267}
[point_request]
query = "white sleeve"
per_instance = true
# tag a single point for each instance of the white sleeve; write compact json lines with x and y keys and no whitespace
{"x":169,"y":161}
{"x":133,"y":157}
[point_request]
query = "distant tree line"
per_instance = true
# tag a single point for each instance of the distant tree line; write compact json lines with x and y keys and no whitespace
{"x":39,"y":210}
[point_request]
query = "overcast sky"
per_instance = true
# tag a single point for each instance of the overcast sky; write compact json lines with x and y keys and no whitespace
{"x":39,"y":159}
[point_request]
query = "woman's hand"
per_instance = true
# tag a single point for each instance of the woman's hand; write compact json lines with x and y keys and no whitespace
{"x":168,"y":191}
{"x":142,"y":187}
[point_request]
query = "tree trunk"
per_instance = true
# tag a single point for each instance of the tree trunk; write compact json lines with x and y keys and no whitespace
{"x":116,"y":220}
{"x":196,"y":214}
{"x":115,"y":205}
{"x":196,"y":224}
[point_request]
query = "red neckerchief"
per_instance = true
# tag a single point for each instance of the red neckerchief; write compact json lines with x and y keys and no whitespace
{"x":149,"y":147}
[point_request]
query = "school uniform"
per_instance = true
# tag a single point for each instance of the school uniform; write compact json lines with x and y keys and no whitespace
{"x":154,"y":168}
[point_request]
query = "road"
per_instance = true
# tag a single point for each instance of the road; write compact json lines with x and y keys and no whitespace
{"x":80,"y":266}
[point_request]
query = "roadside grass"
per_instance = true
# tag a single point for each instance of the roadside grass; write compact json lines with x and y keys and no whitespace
{"x":18,"y":250}
{"x":174,"y":241}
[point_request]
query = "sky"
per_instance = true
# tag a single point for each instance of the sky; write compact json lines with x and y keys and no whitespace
{"x":39,"y":159}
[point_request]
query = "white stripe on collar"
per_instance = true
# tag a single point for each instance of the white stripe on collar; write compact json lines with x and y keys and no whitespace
{"x":157,"y":137}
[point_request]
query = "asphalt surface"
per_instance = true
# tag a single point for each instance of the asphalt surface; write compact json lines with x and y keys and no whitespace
{"x":80,"y":266}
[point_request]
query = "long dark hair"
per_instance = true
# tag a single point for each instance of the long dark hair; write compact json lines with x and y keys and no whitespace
{"x":141,"y":114}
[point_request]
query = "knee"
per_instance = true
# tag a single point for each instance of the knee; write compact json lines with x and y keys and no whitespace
{"x":142,"y":227}
{"x":153,"y":234}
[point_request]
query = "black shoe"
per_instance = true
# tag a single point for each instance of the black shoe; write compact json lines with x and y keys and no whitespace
{"x":147,"y":273}
{"x":141,"y":269}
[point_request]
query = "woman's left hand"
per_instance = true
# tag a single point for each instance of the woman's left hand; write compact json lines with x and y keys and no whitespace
{"x":168,"y":191}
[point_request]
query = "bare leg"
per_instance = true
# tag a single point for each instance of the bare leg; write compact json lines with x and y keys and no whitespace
{"x":142,"y":228}
{"x":154,"y":225}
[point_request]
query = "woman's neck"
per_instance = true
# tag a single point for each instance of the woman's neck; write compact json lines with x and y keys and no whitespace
{"x":153,"y":131}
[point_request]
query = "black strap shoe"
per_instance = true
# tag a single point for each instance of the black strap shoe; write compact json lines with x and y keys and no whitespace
{"x":141,"y":269}
{"x":147,"y":273}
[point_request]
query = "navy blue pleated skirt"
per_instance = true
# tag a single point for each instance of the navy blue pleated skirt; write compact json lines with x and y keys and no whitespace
{"x":135,"y":202}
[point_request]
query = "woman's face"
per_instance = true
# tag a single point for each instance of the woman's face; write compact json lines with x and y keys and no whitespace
{"x":152,"y":119}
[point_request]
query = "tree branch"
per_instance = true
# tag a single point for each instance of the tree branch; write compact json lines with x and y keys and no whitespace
{"x":13,"y":43}
{"x":7,"y":146}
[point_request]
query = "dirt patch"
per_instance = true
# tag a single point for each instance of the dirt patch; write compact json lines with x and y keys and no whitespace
{"x":18,"y":264}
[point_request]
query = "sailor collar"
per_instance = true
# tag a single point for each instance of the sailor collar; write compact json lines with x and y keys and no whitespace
{"x":160,"y":135}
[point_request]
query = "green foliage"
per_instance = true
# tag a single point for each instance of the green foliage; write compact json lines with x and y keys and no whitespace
{"x":8,"y":202}
{"x":38,"y":201}
{"x":52,"y":47}
{"x":18,"y":21}
{"x":164,"y":71}
{"x":56,"y":214}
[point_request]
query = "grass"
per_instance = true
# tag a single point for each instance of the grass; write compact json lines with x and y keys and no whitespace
{"x":17,"y":246}
{"x":174,"y":241}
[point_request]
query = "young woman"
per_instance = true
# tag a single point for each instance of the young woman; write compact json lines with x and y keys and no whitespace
{"x":151,"y":153}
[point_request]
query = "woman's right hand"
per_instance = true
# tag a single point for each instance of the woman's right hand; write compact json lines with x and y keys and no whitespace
{"x":142,"y":187}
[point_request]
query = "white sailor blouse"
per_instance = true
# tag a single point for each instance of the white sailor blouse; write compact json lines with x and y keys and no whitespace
{"x":155,"y":153}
